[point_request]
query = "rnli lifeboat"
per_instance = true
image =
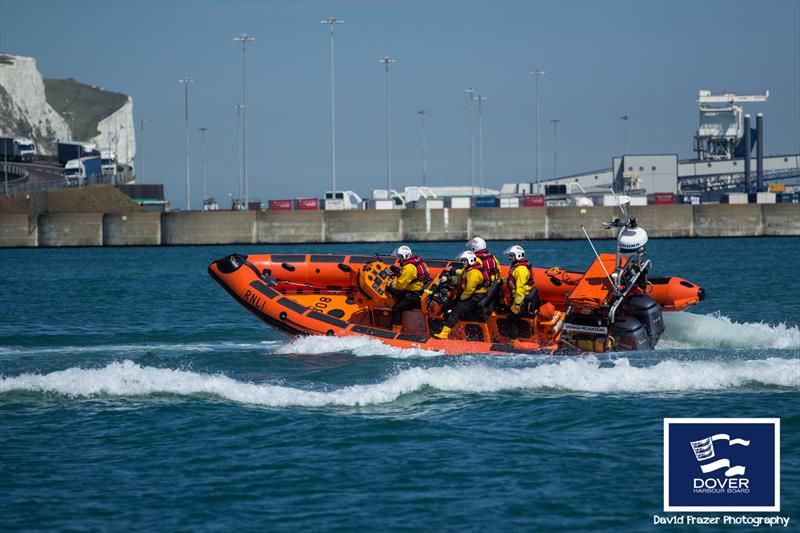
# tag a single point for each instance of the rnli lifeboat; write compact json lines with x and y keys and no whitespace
{"x":614,"y":305}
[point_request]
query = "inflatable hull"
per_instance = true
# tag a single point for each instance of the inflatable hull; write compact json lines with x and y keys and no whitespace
{"x":319,"y":294}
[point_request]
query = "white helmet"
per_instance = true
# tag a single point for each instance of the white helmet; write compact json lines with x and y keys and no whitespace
{"x":476,"y":244}
{"x":469,"y":257}
{"x":515,"y":253}
{"x":403,"y":252}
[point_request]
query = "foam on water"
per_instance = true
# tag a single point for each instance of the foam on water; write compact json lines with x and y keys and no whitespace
{"x":131,"y":349}
{"x":358,"y":346}
{"x":687,"y":330}
{"x":571,"y":375}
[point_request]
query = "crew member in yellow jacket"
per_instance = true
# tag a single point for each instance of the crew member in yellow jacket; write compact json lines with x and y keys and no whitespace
{"x":522,"y":294}
{"x":474,"y":284}
{"x":407,"y":288}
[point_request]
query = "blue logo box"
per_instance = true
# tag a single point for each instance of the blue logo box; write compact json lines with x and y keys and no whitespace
{"x":721,"y":464}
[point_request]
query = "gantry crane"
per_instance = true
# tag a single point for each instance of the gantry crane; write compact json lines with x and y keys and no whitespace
{"x":721,"y":123}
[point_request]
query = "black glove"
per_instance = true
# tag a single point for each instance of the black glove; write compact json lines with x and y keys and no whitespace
{"x":395,"y":270}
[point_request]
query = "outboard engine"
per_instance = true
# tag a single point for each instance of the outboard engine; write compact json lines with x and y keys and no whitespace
{"x":645,"y":310}
{"x":630,"y":334}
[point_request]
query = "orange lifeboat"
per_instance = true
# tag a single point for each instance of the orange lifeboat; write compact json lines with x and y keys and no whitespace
{"x":346,"y":295}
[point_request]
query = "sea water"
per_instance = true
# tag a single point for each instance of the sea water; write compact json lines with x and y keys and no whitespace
{"x":136,"y":394}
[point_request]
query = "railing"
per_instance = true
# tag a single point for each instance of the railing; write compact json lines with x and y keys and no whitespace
{"x":724,"y":182}
{"x":61,"y":183}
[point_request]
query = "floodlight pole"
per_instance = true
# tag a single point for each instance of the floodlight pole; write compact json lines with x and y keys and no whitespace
{"x":186,"y":82}
{"x":244,"y":39}
{"x":332,"y":22}
{"x":624,"y":119}
{"x":386,"y":60}
{"x":537,"y":73}
{"x":555,"y":122}
{"x":140,"y":165}
{"x":203,"y":161}
{"x":422,"y":113}
{"x":471,"y":94}
{"x":480,"y":100}
{"x":238,"y":108}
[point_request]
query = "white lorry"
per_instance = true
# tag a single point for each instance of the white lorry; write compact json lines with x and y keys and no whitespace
{"x":78,"y":171}
{"x":342,"y":201}
{"x":108,"y":159}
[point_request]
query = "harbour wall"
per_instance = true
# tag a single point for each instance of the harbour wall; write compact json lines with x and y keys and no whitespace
{"x":409,"y":225}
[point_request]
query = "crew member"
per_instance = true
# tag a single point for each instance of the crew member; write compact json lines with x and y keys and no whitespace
{"x":521,"y":290}
{"x":487,"y":260}
{"x":473,"y":289}
{"x":408,"y":285}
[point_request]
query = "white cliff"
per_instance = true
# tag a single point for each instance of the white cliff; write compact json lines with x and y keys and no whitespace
{"x":118,"y":131}
{"x":24,"y":111}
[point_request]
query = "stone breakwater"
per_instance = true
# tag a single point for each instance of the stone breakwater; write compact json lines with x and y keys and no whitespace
{"x":139,"y":228}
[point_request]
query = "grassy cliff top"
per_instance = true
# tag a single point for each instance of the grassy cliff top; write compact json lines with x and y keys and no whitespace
{"x":88,"y":104}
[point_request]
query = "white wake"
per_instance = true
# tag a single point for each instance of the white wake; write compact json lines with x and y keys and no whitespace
{"x":687,"y":330}
{"x":359,"y":346}
{"x":571,"y":375}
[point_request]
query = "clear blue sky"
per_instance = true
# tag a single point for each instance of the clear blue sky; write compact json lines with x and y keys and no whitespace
{"x":602,"y":60}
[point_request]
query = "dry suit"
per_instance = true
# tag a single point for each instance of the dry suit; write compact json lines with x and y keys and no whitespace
{"x":408,"y":288}
{"x":522,"y":293}
{"x":474,"y":286}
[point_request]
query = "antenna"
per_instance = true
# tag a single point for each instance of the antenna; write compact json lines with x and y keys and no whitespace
{"x":621,"y":202}
{"x":613,"y":286}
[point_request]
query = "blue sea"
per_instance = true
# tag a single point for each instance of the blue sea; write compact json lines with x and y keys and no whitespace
{"x":135,"y":394}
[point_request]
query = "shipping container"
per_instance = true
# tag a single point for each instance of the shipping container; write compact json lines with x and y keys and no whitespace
{"x":280,"y":205}
{"x":461,"y":202}
{"x":776,"y":187}
{"x":255,"y":205}
{"x":534,"y":201}
{"x":765,"y":197}
{"x":485,"y":201}
{"x":509,"y":202}
{"x":663,"y":198}
{"x":307,"y":204}
{"x":734,"y":198}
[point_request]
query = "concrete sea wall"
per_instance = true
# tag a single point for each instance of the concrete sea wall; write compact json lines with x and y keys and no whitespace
{"x":410,"y":225}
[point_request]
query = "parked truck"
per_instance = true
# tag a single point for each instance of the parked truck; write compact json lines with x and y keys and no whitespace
{"x":17,"y":149}
{"x":70,"y":151}
{"x":342,"y":200}
{"x":78,"y":171}
{"x":109,"y":161}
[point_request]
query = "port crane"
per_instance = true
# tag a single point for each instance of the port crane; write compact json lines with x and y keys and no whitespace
{"x":721,"y":131}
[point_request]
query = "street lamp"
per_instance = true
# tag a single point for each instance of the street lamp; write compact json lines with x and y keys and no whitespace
{"x":203,"y":162}
{"x":537,"y":73}
{"x":186,"y":82}
{"x":332,"y":22}
{"x":422,"y":113}
{"x":471,"y":94}
{"x":244,"y":39}
{"x":555,"y":122}
{"x":386,"y":60}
